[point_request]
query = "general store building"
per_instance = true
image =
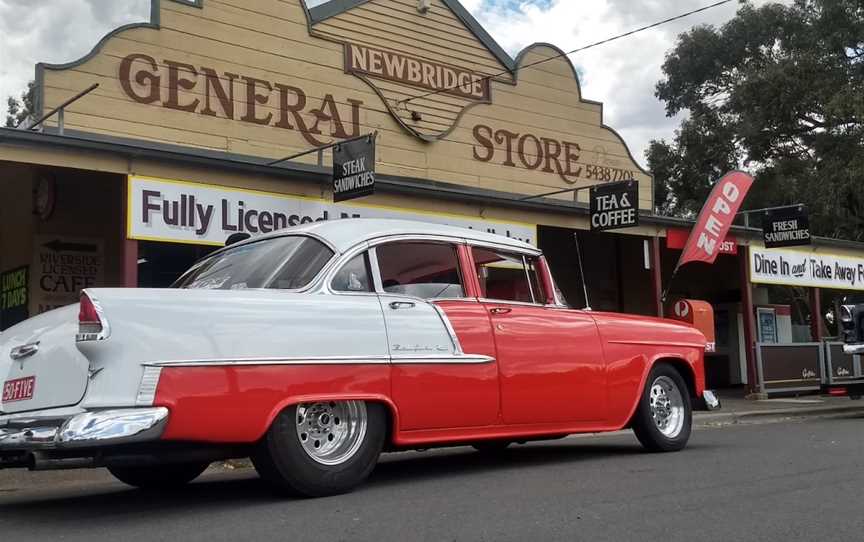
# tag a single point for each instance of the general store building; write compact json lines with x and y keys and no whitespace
{"x":172,"y":152}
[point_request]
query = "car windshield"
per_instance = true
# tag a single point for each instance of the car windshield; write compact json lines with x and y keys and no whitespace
{"x":284,"y":263}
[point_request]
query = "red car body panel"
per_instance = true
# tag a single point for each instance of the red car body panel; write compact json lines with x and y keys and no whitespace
{"x":556,"y":371}
{"x":445,"y":403}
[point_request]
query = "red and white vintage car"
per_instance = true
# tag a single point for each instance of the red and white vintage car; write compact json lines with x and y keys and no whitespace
{"x":314,"y":349}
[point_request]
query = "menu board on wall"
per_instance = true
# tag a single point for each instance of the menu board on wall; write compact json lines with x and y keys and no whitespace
{"x":14,"y":297}
{"x":62,"y":267}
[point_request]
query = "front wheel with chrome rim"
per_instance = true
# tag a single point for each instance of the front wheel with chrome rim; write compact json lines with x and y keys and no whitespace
{"x":663,"y":419}
{"x":322,"y":448}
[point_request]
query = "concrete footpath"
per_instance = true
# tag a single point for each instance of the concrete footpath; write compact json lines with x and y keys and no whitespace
{"x":737,"y":409}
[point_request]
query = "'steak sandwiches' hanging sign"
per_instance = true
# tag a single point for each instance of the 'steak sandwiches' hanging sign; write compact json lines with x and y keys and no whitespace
{"x":789,"y":227}
{"x":614,"y":206}
{"x":354,"y":169}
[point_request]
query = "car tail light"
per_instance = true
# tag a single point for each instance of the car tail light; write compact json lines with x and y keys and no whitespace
{"x":91,"y":324}
{"x":838,"y":392}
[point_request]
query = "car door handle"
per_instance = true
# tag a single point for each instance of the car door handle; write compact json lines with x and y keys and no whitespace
{"x":397,"y":305}
{"x":500,"y":310}
{"x":24,"y":351}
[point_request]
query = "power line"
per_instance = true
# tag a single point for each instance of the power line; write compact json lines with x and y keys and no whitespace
{"x":405,"y":101}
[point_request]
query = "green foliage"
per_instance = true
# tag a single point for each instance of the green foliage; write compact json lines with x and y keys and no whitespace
{"x":777,"y":91}
{"x":20,"y":109}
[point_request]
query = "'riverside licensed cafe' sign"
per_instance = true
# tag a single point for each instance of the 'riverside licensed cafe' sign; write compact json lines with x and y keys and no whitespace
{"x":794,"y":268}
{"x":193,"y":213}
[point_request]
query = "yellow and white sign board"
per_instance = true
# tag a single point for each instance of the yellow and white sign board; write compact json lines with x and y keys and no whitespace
{"x":185,"y":212}
{"x":798,"y":268}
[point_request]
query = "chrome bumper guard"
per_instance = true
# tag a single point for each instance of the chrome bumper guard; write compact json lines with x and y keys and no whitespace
{"x":853,"y":349}
{"x":710,"y":401}
{"x":86,"y":430}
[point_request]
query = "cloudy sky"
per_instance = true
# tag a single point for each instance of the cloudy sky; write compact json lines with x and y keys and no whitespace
{"x":622,"y":74}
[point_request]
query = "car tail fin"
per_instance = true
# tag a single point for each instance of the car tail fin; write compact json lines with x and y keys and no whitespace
{"x":92,"y":325}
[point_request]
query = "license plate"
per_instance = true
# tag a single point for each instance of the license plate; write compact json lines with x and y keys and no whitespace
{"x":20,"y":389}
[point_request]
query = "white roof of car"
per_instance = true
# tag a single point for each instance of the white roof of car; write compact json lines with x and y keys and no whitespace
{"x":345,"y":233}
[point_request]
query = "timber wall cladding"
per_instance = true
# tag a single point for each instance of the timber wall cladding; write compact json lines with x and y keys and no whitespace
{"x":247,"y":77}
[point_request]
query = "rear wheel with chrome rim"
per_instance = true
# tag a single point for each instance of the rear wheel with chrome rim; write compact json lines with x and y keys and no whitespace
{"x":663,"y":419}
{"x":322,"y":448}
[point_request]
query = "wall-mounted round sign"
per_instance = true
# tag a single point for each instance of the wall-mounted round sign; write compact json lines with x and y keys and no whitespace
{"x":682,"y":309}
{"x":45,"y":196}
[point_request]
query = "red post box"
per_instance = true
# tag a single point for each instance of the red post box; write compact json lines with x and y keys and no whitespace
{"x":699,"y":314}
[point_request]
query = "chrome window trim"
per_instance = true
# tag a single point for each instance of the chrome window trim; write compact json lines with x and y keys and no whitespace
{"x":534,"y":303}
{"x":460,"y":240}
{"x":336,"y":265}
{"x":343,"y":261}
{"x":519,"y":303}
{"x":379,"y":284}
{"x":528,"y":278}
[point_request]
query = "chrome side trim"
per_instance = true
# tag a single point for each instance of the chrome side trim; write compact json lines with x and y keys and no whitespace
{"x":148,"y":385}
{"x":295,"y":360}
{"x":328,"y":360}
{"x":457,"y":346}
{"x":464,"y":359}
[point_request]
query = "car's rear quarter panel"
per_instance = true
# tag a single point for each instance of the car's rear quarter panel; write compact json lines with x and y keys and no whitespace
{"x":237,"y":404}
{"x":632,"y":345}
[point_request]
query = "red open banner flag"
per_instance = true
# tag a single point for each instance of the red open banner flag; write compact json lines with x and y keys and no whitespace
{"x":716,"y":218}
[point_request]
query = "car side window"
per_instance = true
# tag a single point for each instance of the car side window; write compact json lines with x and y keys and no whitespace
{"x":507,"y":277}
{"x":420,"y":269}
{"x":354,"y":276}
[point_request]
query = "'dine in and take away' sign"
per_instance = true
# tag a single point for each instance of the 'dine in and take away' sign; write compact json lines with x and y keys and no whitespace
{"x":354,"y":169}
{"x":614,"y":206}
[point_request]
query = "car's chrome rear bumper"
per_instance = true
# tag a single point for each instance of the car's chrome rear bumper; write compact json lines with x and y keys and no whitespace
{"x":91,"y":429}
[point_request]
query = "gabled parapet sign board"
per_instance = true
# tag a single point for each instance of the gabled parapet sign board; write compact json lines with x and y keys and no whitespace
{"x":268,"y":78}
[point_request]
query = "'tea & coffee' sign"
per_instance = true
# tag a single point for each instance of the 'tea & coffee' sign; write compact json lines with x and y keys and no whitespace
{"x":354,"y":169}
{"x":788,"y":227}
{"x":614,"y":206}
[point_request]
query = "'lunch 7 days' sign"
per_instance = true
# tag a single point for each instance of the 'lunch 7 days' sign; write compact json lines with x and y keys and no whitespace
{"x":806,"y":269}
{"x":14,"y":298}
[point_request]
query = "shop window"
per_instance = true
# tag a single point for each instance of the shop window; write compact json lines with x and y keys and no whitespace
{"x":508,"y":277}
{"x":354,"y":276}
{"x":424,"y":270}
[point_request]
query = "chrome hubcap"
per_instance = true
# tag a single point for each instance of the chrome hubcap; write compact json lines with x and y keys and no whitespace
{"x":667,"y":406}
{"x":332,"y":432}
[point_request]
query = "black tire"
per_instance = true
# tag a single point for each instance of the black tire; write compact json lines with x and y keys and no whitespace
{"x":281,"y":460}
{"x":491,"y":447}
{"x":647,"y":430}
{"x":168,"y":476}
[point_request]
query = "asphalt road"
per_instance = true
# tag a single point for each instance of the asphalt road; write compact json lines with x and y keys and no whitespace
{"x":800,"y":480}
